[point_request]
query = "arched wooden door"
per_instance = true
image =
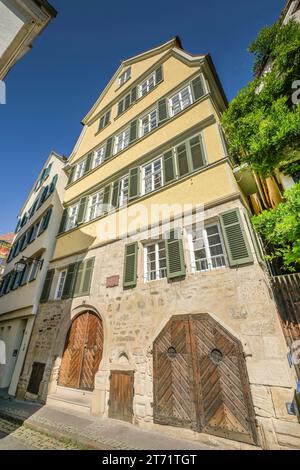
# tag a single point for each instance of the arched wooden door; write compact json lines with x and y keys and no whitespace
{"x":83,"y":352}
{"x":201,"y":381}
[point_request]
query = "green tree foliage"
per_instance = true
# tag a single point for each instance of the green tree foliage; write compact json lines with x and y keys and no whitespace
{"x":280,"y":228}
{"x":262,"y":124}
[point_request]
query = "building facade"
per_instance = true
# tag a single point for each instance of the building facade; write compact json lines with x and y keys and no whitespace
{"x":21,"y":21}
{"x":5,"y":245}
{"x":156,"y":308}
{"x":27,"y":265}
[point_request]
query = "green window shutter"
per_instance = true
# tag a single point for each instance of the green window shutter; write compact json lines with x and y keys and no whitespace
{"x":159,"y":74}
{"x":162,"y":111}
{"x":43,"y":196}
{"x":130,"y":265}
{"x":101,"y":124}
{"x":134,"y":183}
{"x":133,"y":131}
{"x":82,"y":210}
{"x":63,"y":222}
{"x":120,"y":107}
{"x":238,"y":249}
{"x":88,"y":163}
{"x":70,"y":281}
{"x":169,"y":167}
{"x":197,"y":152}
{"x":46,"y":219}
{"x":47,"y":286}
{"x":53,"y":184}
{"x":107,"y":118}
{"x":133,"y":95}
{"x":182,"y":160}
{"x":71,"y":176}
{"x":127,"y":101}
{"x":115,"y":194}
{"x":175,"y":254}
{"x":108,"y":150}
{"x":106,"y":195}
{"x":84,"y":278}
{"x":198,"y":88}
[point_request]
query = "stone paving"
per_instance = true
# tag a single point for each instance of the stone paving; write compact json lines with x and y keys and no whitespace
{"x":52,"y":428}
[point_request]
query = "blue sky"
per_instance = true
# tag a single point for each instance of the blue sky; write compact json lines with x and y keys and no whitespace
{"x":52,"y":88}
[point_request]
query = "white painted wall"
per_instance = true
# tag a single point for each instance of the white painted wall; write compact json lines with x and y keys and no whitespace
{"x":11,"y":22}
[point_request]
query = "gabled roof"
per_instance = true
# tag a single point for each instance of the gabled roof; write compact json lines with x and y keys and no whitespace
{"x":8,"y":237}
{"x":174,"y":42}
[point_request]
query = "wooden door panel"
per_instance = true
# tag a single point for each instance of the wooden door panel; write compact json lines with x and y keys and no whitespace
{"x":83,"y":352}
{"x":121,"y":395}
{"x":205,"y":385}
{"x":173,"y":390}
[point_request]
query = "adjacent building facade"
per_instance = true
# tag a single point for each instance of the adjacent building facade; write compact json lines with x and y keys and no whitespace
{"x":5,"y":245}
{"x":21,"y":21}
{"x":156,"y":307}
{"x":27,"y":265}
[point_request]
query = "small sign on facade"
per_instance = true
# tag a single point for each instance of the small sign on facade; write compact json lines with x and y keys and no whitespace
{"x":112,"y":281}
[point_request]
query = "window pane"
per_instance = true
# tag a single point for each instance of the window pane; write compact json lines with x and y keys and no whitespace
{"x":197,"y":153}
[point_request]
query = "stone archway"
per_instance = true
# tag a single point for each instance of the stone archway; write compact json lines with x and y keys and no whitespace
{"x":200,"y":379}
{"x":82,"y":353}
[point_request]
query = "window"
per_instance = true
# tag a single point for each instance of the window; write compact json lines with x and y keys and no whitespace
{"x":155,"y":261}
{"x":72,"y":216}
{"x":190,"y":155}
{"x":122,"y":140}
{"x":104,"y":120}
{"x":99,"y":156}
{"x":79,"y":170}
{"x":125,"y":76}
{"x":32,"y":236}
{"x":206,"y":247}
{"x":147,"y":85}
{"x":148,"y":123}
{"x":34,"y":270}
{"x":124,"y":104}
{"x":95,"y":207}
{"x":60,"y":285}
{"x":180,"y":101}
{"x":123,"y":195}
{"x":152,"y":176}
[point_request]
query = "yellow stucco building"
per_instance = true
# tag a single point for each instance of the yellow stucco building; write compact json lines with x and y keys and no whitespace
{"x":156,"y":309}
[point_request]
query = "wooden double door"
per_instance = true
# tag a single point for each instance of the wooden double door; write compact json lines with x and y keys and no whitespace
{"x":201,"y":381}
{"x":83,"y":352}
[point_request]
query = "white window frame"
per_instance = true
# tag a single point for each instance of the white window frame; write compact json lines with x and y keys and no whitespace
{"x":158,"y":271}
{"x":153,"y":173}
{"x":80,"y":167}
{"x":125,"y":76}
{"x":149,"y":118}
{"x":122,"y":199}
{"x":147,"y":84}
{"x":60,"y":285}
{"x":74,"y":211}
{"x":207,"y":248}
{"x":180,"y":98}
{"x":98,"y":204}
{"x":96,"y":155}
{"x":122,"y":140}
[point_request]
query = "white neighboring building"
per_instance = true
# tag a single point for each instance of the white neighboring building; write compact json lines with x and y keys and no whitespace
{"x":21,"y":21}
{"x":27,"y":265}
{"x":291,"y":11}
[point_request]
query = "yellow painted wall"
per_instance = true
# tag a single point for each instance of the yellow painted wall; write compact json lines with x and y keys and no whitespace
{"x":210,"y":185}
{"x":174,"y":72}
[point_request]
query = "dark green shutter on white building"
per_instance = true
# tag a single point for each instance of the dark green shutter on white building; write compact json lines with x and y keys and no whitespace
{"x":47,"y":286}
{"x":235,"y":238}
{"x":134,"y":183}
{"x":115,"y":194}
{"x":130,"y":265}
{"x":175,"y":254}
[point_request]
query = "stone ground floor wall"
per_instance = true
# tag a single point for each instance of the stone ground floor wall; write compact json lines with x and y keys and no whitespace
{"x":238,"y":299}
